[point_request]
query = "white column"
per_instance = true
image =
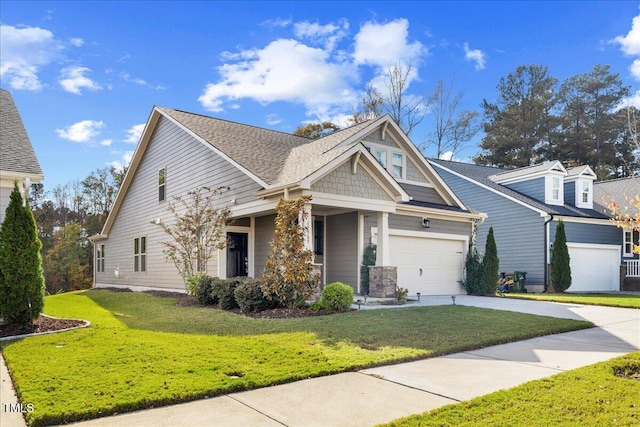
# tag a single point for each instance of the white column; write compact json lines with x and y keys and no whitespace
{"x":383,"y":254}
{"x":307,"y":224}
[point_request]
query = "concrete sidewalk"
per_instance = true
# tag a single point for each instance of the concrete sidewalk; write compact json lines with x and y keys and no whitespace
{"x":382,"y":394}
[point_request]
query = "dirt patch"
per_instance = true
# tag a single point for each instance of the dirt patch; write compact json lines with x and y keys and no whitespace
{"x":40,"y":325}
{"x":630,"y":371}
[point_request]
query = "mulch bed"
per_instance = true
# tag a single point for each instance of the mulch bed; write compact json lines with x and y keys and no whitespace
{"x":40,"y":325}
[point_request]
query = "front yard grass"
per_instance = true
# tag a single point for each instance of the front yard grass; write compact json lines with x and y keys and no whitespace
{"x":143,"y":351}
{"x":590,"y":396}
{"x":612,"y":300}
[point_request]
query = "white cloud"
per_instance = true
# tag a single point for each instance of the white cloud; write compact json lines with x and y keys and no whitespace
{"x":384,"y":44}
{"x":73,"y":79}
{"x":630,"y":46}
{"x":123,"y":161}
{"x":134,"y":133}
{"x":127,"y":78}
{"x":106,"y":142}
{"x":77,"y":42}
{"x":632,"y":101}
{"x":273,"y":119}
{"x":285,"y":70}
{"x":82,"y":131}
{"x":328,"y":35}
{"x":475,"y":55}
{"x":22,"y":52}
{"x":276,"y":23}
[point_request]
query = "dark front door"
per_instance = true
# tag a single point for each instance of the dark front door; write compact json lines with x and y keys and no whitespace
{"x":237,"y":254}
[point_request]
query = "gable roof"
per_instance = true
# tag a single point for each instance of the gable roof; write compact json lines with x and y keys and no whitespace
{"x":16,"y":152}
{"x":511,"y":175}
{"x":483,"y":175}
{"x":580,"y":171}
{"x":616,"y":190}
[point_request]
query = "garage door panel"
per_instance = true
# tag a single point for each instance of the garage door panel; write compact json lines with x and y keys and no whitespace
{"x":594,"y":267}
{"x":428,"y":265}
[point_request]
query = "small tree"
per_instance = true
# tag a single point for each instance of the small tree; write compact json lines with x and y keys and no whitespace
{"x":287,"y":279}
{"x":473,"y":273}
{"x":197,"y":231}
{"x":490,"y":265}
{"x":21,"y":276}
{"x":368,"y":259}
{"x":560,"y":267}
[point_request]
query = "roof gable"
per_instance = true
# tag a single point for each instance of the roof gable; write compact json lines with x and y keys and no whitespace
{"x":529,"y":172}
{"x":16,"y":152}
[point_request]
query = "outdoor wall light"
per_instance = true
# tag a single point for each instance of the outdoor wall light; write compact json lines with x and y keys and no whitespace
{"x":426,"y":223}
{"x":453,"y":298}
{"x":418,"y":293}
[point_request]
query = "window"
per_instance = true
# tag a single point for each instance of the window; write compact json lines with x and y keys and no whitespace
{"x":140,"y":254}
{"x":318,"y":237}
{"x":161,"y":184}
{"x":627,"y":243}
{"x":396,"y":165}
{"x":585,"y":192}
{"x":100,"y":259}
{"x":381,"y":155}
{"x":555,"y":188}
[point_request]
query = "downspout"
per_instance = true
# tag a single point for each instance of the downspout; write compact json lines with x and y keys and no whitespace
{"x":546,"y":251}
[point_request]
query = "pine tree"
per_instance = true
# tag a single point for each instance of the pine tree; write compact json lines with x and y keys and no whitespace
{"x":560,"y":267}
{"x":21,"y":277}
{"x":490,"y":265}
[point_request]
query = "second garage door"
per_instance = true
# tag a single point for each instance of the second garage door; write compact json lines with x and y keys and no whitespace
{"x":426,"y":265}
{"x":594,"y":267}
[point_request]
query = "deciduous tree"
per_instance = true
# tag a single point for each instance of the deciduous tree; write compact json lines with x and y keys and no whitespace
{"x":316,"y":130}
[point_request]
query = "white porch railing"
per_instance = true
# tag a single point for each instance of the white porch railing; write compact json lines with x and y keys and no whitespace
{"x":633,"y":268}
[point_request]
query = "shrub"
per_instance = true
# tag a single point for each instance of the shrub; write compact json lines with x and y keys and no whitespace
{"x":250,"y":297}
{"x":401,"y":294}
{"x":21,"y":274}
{"x":490,"y":265}
{"x":336,"y":296}
{"x":560,"y":261}
{"x":473,"y":273}
{"x":222,"y":292}
{"x":200,"y":287}
{"x":368,"y":259}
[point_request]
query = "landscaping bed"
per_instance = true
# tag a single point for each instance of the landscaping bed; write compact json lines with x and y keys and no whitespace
{"x":42,"y":324}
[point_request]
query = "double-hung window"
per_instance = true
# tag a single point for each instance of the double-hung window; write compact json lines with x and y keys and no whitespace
{"x":140,"y":254}
{"x":627,"y":244}
{"x":584,"y":193}
{"x":392,"y":161}
{"x":397,"y":164}
{"x":162,"y":176}
{"x":381,"y":155}
{"x":555,"y":188}
{"x":100,"y":259}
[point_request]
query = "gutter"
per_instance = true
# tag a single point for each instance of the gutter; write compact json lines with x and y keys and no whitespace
{"x":546,"y":252}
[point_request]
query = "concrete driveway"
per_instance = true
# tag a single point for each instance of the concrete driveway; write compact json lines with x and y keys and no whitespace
{"x":379,"y":395}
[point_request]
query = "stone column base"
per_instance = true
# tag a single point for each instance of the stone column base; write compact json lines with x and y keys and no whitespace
{"x":383,"y":281}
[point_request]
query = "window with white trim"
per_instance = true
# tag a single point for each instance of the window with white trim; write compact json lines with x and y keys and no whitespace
{"x":162,"y":177}
{"x":392,"y":161}
{"x":627,"y":243}
{"x":381,"y":155}
{"x":555,"y":188}
{"x":100,"y":259}
{"x":397,"y":165}
{"x":140,"y":254}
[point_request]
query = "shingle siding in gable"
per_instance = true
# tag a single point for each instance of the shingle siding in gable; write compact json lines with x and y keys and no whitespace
{"x":414,"y":174}
{"x":519,"y":231}
{"x":189,"y":165}
{"x":532,"y":188}
{"x":376,"y":139}
{"x":342,"y":182}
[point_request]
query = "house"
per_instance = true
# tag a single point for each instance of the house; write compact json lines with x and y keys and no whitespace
{"x":18,"y":160}
{"x":524,"y":207}
{"x":618,"y":191}
{"x":369,"y":184}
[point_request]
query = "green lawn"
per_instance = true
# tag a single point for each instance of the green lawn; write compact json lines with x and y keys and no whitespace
{"x":143,"y":351}
{"x":589,"y":396}
{"x":612,"y":300}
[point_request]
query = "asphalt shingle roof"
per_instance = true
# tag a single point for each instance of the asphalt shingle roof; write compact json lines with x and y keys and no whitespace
{"x":616,"y":190}
{"x":16,"y":151}
{"x":483,"y":174}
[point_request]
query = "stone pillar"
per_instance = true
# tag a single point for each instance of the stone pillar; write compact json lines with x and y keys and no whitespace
{"x":383,"y":281}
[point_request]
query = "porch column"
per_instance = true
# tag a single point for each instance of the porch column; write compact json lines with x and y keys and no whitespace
{"x":383,"y":254}
{"x":307,"y":225}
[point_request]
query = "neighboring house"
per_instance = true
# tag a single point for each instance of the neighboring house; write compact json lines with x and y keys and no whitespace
{"x":619,"y":191}
{"x":18,"y":161}
{"x":524,"y":206}
{"x":368,"y":183}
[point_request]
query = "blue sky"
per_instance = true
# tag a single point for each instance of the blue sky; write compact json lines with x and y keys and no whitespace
{"x":85,"y":75}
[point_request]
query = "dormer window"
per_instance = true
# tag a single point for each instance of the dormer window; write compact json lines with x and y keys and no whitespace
{"x":554,"y":189}
{"x":393,"y":161}
{"x":585,"y":192}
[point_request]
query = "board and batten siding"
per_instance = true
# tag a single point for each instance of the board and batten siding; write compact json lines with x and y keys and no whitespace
{"x":518,"y":230}
{"x":341,"y":254}
{"x":189,"y":165}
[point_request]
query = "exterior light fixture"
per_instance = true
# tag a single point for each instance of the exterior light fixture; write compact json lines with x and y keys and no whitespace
{"x":418,"y":293}
{"x":426,"y":223}
{"x":453,"y":298}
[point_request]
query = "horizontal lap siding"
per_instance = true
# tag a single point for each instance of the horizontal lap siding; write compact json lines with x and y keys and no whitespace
{"x":189,"y":165}
{"x":589,"y":233}
{"x":532,"y":188}
{"x":519,"y":231}
{"x":342,"y":249}
{"x":414,"y":223}
{"x":264,"y":233}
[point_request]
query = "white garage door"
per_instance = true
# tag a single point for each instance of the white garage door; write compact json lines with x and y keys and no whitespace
{"x":426,"y":265}
{"x":594,"y":267}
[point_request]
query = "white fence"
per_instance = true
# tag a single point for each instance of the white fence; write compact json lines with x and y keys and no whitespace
{"x":633,"y":268}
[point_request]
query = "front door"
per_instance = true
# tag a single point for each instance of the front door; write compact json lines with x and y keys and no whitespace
{"x":237,"y":254}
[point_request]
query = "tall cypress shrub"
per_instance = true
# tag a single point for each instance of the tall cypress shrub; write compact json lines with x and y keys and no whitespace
{"x":490,"y":265}
{"x":21,"y":277}
{"x":560,"y":261}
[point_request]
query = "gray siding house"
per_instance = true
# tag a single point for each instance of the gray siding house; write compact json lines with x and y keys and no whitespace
{"x":524,"y":207}
{"x":18,"y":161}
{"x":368,"y":183}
